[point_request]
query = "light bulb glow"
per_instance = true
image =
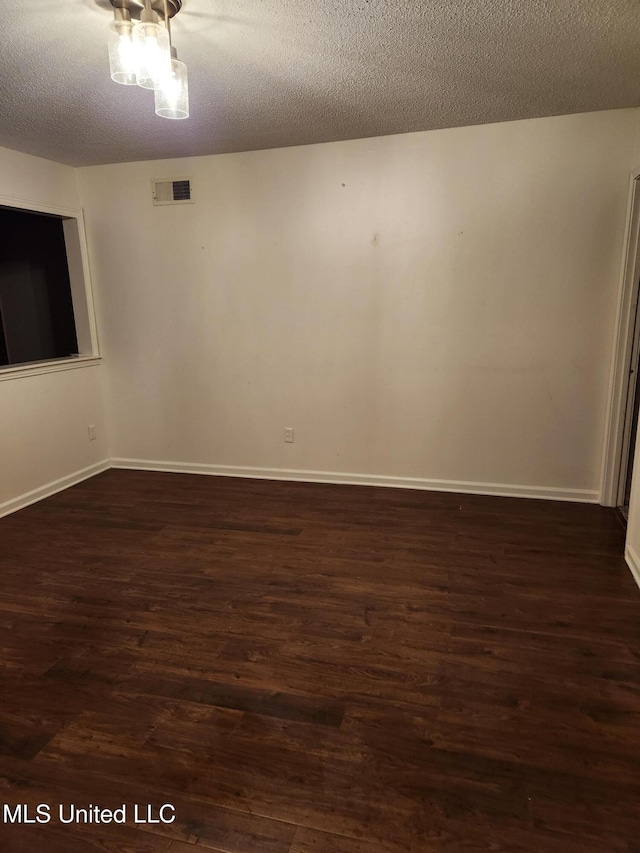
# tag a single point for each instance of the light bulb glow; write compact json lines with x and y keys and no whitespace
{"x":122,"y":53}
{"x":172,"y":96}
{"x":153,"y":54}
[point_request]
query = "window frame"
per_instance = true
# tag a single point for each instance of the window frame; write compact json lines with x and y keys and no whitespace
{"x":81,"y":290}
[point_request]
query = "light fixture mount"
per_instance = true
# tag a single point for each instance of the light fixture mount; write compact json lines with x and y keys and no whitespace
{"x":135,"y":7}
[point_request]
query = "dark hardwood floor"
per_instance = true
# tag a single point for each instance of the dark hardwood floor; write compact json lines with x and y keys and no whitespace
{"x":306,"y":668}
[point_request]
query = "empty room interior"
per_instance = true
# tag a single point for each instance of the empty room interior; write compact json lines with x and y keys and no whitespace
{"x":319,"y":529}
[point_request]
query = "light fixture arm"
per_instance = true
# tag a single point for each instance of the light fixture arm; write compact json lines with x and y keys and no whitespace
{"x":121,"y":11}
{"x":165,"y":8}
{"x":147,"y":15}
{"x":167,"y":19}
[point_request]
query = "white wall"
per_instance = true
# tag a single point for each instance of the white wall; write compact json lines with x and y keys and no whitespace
{"x":44,"y":418}
{"x":26,"y":178}
{"x":435,"y":305}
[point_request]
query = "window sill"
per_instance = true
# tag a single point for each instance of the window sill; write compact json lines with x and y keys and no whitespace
{"x":37,"y":368}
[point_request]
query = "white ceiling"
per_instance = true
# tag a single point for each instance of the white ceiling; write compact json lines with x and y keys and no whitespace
{"x":271,"y":73}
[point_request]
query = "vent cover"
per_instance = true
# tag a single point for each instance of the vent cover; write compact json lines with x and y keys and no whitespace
{"x":175,"y":191}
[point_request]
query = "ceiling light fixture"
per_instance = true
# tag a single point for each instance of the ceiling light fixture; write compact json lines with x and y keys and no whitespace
{"x":141,"y":53}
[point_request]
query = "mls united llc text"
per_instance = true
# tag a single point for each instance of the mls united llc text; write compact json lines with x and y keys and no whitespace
{"x":70,"y":813}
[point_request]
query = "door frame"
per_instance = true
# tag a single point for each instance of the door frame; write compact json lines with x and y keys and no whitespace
{"x":617,"y":438}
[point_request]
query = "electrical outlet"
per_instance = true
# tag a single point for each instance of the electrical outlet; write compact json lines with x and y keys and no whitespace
{"x":92,"y":432}
{"x":288,"y":435}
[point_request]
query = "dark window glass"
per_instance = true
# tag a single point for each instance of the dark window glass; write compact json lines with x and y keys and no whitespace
{"x":36,"y":309}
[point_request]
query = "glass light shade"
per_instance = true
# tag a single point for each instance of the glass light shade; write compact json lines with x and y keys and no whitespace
{"x":153,"y":53}
{"x":122,"y":53}
{"x":172,"y":98}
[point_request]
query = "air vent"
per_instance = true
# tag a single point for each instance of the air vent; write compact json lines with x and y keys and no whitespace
{"x":176,"y":191}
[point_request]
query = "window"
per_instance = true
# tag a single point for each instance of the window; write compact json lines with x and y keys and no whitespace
{"x":44,"y":309}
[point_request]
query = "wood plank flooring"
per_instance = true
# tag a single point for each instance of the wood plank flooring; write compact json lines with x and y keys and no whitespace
{"x":304,"y":668}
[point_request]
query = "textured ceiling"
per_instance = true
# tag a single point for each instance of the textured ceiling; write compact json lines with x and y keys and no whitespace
{"x":271,"y":73}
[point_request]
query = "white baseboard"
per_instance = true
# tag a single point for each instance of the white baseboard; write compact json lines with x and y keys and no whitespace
{"x":498,"y":489}
{"x":51,"y":488}
{"x":633,"y":561}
